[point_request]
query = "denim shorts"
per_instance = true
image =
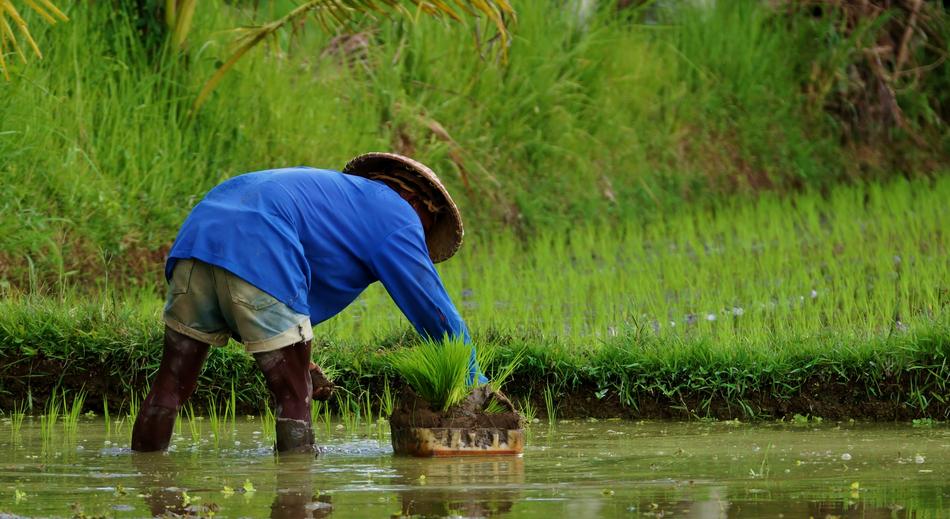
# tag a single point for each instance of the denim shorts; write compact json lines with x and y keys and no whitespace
{"x":210,"y":304}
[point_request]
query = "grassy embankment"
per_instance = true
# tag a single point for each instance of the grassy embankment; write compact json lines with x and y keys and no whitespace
{"x":833,"y":305}
{"x":605,"y":121}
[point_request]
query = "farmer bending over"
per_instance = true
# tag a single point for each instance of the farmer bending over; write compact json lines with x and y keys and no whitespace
{"x":266,"y":255}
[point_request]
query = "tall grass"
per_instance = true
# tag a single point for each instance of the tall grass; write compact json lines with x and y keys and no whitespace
{"x":610,"y":120}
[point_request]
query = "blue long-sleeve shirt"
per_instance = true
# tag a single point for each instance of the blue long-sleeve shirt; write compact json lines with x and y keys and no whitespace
{"x":315,"y":239}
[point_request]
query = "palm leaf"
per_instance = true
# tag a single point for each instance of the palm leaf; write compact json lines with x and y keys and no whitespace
{"x":178,"y":17}
{"x":9,"y":41}
{"x":330,"y":14}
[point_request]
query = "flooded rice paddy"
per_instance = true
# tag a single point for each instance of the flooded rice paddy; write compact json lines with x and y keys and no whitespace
{"x":576,"y":469}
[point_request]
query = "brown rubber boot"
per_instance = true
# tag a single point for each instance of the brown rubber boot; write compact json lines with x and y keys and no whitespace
{"x":182,"y":359}
{"x":287,"y":373}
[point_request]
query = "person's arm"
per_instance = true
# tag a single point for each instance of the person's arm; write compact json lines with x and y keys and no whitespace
{"x":403,"y":266}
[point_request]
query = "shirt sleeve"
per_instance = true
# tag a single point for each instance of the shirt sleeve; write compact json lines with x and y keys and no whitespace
{"x":403,"y":266}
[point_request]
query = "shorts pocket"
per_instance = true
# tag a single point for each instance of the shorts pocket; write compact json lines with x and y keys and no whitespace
{"x":181,"y":277}
{"x":248,"y":295}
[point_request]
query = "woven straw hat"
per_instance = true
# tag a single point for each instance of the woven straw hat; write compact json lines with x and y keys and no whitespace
{"x":445,"y":236}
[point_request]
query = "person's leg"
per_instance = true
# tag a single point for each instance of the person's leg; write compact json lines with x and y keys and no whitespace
{"x":192,"y":323}
{"x":279,"y":339}
{"x":287,"y":372}
{"x":182,"y":359}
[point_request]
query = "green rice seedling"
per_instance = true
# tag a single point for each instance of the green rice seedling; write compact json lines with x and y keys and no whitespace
{"x":436,"y":371}
{"x":119,"y":425}
{"x":179,"y":420}
{"x":134,"y":406}
{"x":348,"y":409}
{"x":106,"y":417}
{"x":527,"y":410}
{"x":367,"y":408}
{"x":194,"y":426}
{"x":49,"y":419}
{"x":387,"y":400}
{"x":230,"y":410}
{"x":315,"y":408}
{"x":495,"y":407}
{"x":17,"y":415}
{"x":214,"y":422}
{"x":550,"y":406}
{"x":72,"y":413}
{"x":268,"y":425}
{"x":487,"y":356}
{"x":327,"y":418}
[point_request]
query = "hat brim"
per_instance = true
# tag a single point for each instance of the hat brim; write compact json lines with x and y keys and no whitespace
{"x":445,"y":235}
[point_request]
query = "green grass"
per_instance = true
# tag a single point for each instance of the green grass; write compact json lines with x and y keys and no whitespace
{"x":613,"y":122}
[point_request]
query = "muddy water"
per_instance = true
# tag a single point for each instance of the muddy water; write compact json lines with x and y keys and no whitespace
{"x":577,"y":470}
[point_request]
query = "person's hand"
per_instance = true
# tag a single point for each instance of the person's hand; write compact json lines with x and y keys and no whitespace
{"x":322,"y":387}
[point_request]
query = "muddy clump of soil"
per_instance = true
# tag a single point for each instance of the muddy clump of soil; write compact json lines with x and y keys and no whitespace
{"x":413,"y":411}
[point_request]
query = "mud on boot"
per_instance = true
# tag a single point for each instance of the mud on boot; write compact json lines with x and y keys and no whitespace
{"x":294,"y":436}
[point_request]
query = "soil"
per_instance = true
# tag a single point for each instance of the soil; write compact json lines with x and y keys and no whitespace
{"x":819,"y":397}
{"x":413,"y":411}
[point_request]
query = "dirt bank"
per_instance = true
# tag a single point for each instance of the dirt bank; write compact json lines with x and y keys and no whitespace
{"x":413,"y":411}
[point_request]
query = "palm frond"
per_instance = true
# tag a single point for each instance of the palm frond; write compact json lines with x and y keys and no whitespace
{"x":178,"y":17}
{"x":330,"y":14}
{"x":8,"y":38}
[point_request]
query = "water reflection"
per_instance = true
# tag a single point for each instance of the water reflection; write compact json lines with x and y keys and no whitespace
{"x":162,"y":496}
{"x":466,"y":487}
{"x":294,"y":497}
{"x":718,"y":505}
